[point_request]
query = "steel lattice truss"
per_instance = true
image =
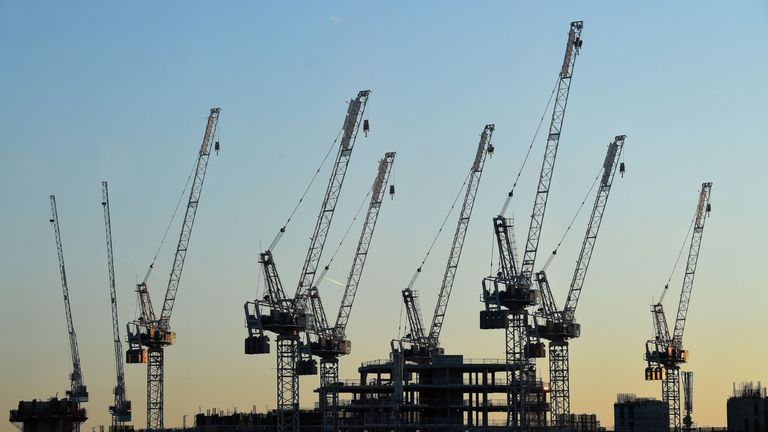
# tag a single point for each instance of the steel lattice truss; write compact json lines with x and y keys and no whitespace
{"x":121,"y":409}
{"x":349,"y":135}
{"x":77,"y":390}
{"x":425,"y":342}
{"x":550,"y":152}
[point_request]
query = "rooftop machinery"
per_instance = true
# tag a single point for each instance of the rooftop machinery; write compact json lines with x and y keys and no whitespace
{"x":508,"y":294}
{"x":423,"y":345}
{"x":154,"y":332}
{"x":558,"y":326}
{"x":77,"y":392}
{"x":665,"y":353}
{"x":330,"y":342}
{"x":121,"y":409}
{"x":290,"y":318}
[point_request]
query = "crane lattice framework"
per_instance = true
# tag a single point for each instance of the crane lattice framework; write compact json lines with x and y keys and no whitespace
{"x":509,"y":294}
{"x":665,"y":353}
{"x":121,"y":409}
{"x":559,"y":326}
{"x":330,"y":342}
{"x":148,"y":335}
{"x":425,"y":345}
{"x":289,"y":318}
{"x":77,"y":392}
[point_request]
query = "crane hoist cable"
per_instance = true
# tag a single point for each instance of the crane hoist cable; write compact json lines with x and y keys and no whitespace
{"x":528,"y":152}
{"x":170,"y":222}
{"x":437,"y":235}
{"x":677,"y":261}
{"x":178,"y":204}
{"x":570,"y":225}
{"x":306,"y":191}
{"x":344,"y":237}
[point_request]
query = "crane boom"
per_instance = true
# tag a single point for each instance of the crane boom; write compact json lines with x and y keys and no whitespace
{"x":461,"y":232}
{"x":120,"y":411}
{"x":77,"y":391}
{"x":553,"y":139}
{"x":352,"y":124}
{"x":189,"y":218}
{"x":361,"y":253}
{"x":702,"y":210}
{"x":593,"y":228}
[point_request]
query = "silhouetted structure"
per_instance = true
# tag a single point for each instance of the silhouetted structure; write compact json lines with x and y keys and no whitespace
{"x":53,"y":415}
{"x":633,"y":414}
{"x":748,"y":408}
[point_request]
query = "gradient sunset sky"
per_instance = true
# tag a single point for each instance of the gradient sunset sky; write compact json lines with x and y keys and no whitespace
{"x":97,"y":91}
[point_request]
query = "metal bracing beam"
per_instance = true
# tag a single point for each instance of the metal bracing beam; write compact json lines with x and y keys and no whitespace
{"x":457,"y":245}
{"x":610,"y":165}
{"x":352,"y":123}
{"x":572,"y":49}
{"x":364,"y":243}
{"x":702,"y":211}
{"x":189,"y":218}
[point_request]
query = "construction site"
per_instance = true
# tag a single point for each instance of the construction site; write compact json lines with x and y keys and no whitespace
{"x":421,"y":385}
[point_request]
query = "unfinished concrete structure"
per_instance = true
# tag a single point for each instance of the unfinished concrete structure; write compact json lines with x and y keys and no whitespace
{"x":450,"y":393}
{"x":52,"y":415}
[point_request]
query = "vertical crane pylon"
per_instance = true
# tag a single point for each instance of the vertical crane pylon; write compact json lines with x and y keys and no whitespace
{"x":290,"y":318}
{"x":332,"y":341}
{"x":559,"y":326}
{"x":508,"y":294}
{"x":688,"y":404}
{"x":121,"y":409}
{"x":665,"y":352}
{"x":77,"y":392}
{"x":155,"y":333}
{"x":424,"y":345}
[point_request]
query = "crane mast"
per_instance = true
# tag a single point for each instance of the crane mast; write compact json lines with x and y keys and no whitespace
{"x":332,"y":342}
{"x":665,"y":352}
{"x":121,"y":410}
{"x":560,"y":326}
{"x":508,"y":294}
{"x":155,"y":333}
{"x":78,"y":392}
{"x":425,"y":345}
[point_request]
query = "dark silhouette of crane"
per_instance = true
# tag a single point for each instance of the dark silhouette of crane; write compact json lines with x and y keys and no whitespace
{"x":665,"y":352}
{"x":290,"y":318}
{"x":149,"y":335}
{"x":121,"y":409}
{"x":77,"y":392}
{"x":559,"y":326}
{"x":509,"y":294}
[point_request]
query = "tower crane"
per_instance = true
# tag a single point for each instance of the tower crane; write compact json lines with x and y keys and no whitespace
{"x":424,"y":345}
{"x":149,"y":335}
{"x":77,"y":392}
{"x":121,"y":410}
{"x":560,"y":325}
{"x":508,"y":294}
{"x":290,"y":318}
{"x":332,"y":340}
{"x":665,"y":353}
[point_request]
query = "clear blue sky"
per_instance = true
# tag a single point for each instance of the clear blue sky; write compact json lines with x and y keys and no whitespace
{"x":106,"y":90}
